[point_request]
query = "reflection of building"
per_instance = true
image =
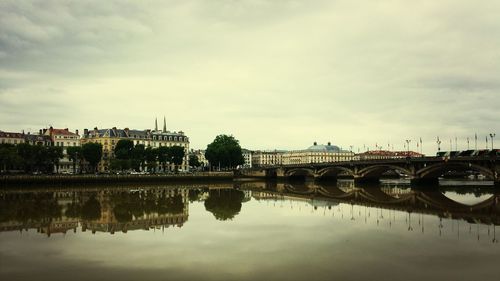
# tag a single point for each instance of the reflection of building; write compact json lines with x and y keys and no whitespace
{"x":63,"y":138}
{"x":63,"y":211}
{"x":109,"y":223}
{"x":152,"y":138}
{"x":59,"y":226}
{"x":317,"y":154}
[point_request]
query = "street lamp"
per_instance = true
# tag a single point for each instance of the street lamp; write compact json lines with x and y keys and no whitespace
{"x":438,"y":141}
{"x":408,"y":148}
{"x":468,"y":147}
{"x":492,"y":136}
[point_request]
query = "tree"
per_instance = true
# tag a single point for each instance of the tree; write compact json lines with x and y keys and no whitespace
{"x":123,"y":149}
{"x":151,"y":156}
{"x":194,"y":161}
{"x":138,"y":156}
{"x":163,"y":156}
{"x":92,"y":152}
{"x":54,"y":153}
{"x":8,"y":156}
{"x":176,"y":156}
{"x":224,"y":151}
{"x":27,"y":155}
{"x":75,"y":155}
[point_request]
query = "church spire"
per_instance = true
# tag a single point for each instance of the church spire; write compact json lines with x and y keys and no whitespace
{"x":164,"y":124}
{"x":156,"y":124}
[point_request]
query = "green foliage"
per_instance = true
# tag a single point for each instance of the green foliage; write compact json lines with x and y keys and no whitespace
{"x":226,"y":151}
{"x":194,"y":161}
{"x":151,"y":156}
{"x":224,"y":204}
{"x":9,"y":157}
{"x":30,"y":157}
{"x":120,"y":164}
{"x":54,"y":153}
{"x":75,"y":155}
{"x":138,"y":156}
{"x":176,"y":154}
{"x":123,"y":149}
{"x":92,"y":152}
{"x":163,"y":156}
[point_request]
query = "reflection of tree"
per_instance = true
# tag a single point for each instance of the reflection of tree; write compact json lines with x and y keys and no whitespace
{"x":34,"y":207}
{"x":136,"y":204}
{"x":73,"y":210}
{"x":194,"y":195}
{"x":91,"y":210}
{"x":224,"y":204}
{"x":170,"y":205}
{"x":127,"y":205}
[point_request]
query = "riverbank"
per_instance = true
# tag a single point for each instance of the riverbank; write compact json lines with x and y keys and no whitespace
{"x":84,"y":179}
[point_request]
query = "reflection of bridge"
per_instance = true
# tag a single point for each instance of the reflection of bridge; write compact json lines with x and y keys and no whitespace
{"x":423,"y":170}
{"x":420,"y":201}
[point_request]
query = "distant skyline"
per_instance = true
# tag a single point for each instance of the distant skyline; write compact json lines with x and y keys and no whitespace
{"x":275,"y":74}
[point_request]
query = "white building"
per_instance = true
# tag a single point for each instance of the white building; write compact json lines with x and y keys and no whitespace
{"x":247,"y":156}
{"x":267,"y":158}
{"x":317,"y":154}
{"x":63,"y":138}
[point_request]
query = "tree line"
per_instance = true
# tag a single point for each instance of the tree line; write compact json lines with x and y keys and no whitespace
{"x":45,"y":159}
{"x":224,"y":152}
{"x":129,"y":156}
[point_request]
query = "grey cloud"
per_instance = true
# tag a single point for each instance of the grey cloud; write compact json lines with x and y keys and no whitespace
{"x":293,"y":71}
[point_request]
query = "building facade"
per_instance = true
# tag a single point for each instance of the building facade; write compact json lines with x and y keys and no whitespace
{"x":64,"y":138}
{"x":247,"y":157}
{"x":108,"y":138}
{"x":267,"y":158}
{"x":11,"y":138}
{"x":200,"y":154}
{"x":317,"y":154}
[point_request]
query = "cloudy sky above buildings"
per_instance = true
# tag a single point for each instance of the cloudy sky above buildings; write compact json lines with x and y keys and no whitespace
{"x":275,"y":74}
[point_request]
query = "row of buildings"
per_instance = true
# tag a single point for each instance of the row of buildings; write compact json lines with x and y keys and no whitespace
{"x":317,"y":153}
{"x":108,"y":138}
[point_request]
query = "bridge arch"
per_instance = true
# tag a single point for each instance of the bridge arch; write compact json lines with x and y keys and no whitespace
{"x":334,"y":171}
{"x":300,"y":172}
{"x":436,"y":170}
{"x":376,"y":171}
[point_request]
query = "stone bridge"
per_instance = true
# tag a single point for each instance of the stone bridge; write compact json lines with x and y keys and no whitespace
{"x":414,"y":200}
{"x":422,"y":170}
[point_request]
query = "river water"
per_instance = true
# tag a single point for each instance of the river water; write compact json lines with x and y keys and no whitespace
{"x":250,"y":231}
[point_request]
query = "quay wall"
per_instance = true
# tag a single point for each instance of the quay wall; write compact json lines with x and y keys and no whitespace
{"x":83,"y":179}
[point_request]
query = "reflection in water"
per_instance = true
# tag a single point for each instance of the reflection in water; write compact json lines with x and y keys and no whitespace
{"x":103,"y":211}
{"x":149,"y":208}
{"x":224,"y":204}
{"x":277,"y":231}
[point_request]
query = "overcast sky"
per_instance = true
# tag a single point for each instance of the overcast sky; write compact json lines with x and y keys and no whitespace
{"x":275,"y":74}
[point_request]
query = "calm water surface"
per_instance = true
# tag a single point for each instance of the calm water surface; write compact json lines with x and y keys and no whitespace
{"x":250,"y":231}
